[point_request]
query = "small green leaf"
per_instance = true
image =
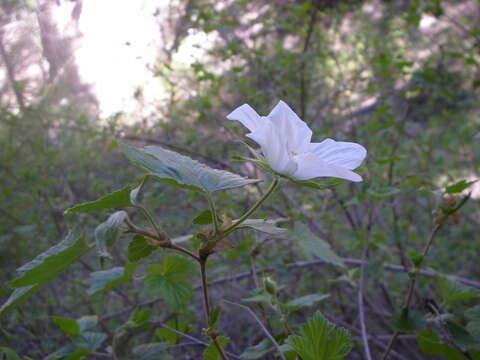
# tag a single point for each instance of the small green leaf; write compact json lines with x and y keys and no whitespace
{"x":454,"y":291}
{"x":204,"y":218}
{"x":169,"y":279}
{"x":430,"y":344}
{"x":459,"y":187}
{"x":462,"y":336}
{"x":139,"y":248}
{"x":87,"y":322}
{"x":214,"y":316}
{"x":314,"y":247}
{"x":263,"y":225}
{"x":211,"y":352}
{"x":151,"y":351}
{"x":107,"y":233}
{"x":415,"y":257}
{"x":8,"y":354}
{"x":182,"y":171}
{"x":257,"y":351}
{"x":408,"y":321}
{"x":50,"y":263}
{"x":101,"y":281}
{"x":68,"y":326}
{"x":117,"y":199}
{"x":140,"y":316}
{"x":319,"y":339}
{"x":304,"y":301}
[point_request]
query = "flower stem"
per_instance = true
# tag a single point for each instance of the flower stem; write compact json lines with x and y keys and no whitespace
{"x":250,"y":211}
{"x":206,"y":307}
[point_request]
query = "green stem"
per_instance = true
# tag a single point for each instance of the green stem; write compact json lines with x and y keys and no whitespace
{"x":249,"y":212}
{"x":206,"y":306}
{"x":214,"y":213}
{"x":150,"y":218}
{"x":411,"y":288}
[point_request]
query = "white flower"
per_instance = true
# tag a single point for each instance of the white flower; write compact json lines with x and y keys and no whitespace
{"x":285,"y":141}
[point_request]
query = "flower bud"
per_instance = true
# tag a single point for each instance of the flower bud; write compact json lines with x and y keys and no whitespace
{"x":270,"y":286}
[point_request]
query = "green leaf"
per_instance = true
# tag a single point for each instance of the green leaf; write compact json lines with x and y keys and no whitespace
{"x":304,"y":301}
{"x":8,"y":354}
{"x":204,"y":218}
{"x":52,"y":262}
{"x":169,"y":336}
{"x":430,"y":344}
{"x":454,"y":291}
{"x":459,"y":187}
{"x":117,"y":199}
{"x":68,"y":326}
{"x":82,"y":346}
{"x":139,"y":248}
{"x":314,"y":247}
{"x":107,"y":233}
{"x":140,"y":316}
{"x":87,"y":322}
{"x":18,"y":296}
{"x":214,"y":316}
{"x":211,"y":352}
{"x":257,"y":351}
{"x":263,"y":225}
{"x":151,"y":351}
{"x":319,"y":339}
{"x":408,"y":321}
{"x":462,"y":336}
{"x":169,"y":279}
{"x":182,"y":171}
{"x":101,"y":281}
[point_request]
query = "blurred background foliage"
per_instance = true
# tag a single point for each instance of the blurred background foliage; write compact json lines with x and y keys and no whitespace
{"x":401,"y":77}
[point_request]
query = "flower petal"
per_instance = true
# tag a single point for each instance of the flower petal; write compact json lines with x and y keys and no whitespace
{"x":345,"y":154}
{"x":310,"y":166}
{"x":273,"y":147}
{"x":247,"y":116}
{"x":292,"y":128}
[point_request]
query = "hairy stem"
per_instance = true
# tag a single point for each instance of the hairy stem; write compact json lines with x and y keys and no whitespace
{"x":214,"y":213}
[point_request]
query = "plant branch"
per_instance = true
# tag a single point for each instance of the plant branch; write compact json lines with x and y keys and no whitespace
{"x":413,"y":282}
{"x":361,"y":310}
{"x":250,"y":211}
{"x":214,"y":214}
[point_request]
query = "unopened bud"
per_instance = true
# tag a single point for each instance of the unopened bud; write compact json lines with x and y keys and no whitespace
{"x":270,"y":286}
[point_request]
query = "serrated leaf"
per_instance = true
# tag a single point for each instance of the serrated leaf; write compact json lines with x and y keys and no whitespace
{"x":50,"y":263}
{"x":319,"y":339}
{"x":139,"y":248}
{"x":68,"y":326}
{"x":182,"y":171}
{"x":304,"y":301}
{"x":314,"y":247}
{"x":117,"y":199}
{"x":169,"y":279}
{"x":459,"y":187}
{"x":211,"y":352}
{"x":82,"y":346}
{"x":104,"y":280}
{"x":151,"y":351}
{"x":454,"y":291}
{"x":203,"y":218}
{"x":263,"y":225}
{"x":107,"y":233}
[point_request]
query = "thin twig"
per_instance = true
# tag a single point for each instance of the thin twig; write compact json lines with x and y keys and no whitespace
{"x":264,"y":329}
{"x":361,"y":285}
